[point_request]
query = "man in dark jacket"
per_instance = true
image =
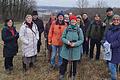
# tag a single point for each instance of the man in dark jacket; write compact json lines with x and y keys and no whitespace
{"x":40,"y":26}
{"x":108,"y":18}
{"x":86,"y":23}
{"x":95,"y":34}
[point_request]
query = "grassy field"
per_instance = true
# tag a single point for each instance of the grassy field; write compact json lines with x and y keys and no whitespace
{"x":87,"y":70}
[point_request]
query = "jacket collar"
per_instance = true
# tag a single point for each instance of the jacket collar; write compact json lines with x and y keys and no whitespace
{"x":114,"y":28}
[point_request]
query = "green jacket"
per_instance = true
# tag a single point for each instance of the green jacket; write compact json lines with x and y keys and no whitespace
{"x":72,"y":53}
{"x":95,"y":31}
{"x":108,"y":21}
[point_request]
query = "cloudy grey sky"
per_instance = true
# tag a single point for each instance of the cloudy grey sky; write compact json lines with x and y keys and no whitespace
{"x":72,"y":3}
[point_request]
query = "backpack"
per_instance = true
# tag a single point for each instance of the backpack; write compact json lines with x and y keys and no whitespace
{"x":78,"y":31}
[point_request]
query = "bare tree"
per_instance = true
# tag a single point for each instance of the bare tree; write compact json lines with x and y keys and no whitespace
{"x":82,"y":3}
{"x":16,"y":9}
{"x":101,"y":4}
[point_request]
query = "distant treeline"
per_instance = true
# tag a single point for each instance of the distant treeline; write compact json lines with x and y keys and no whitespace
{"x":16,"y":9}
{"x":92,"y":11}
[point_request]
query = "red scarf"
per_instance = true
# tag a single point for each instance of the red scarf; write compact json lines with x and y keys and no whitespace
{"x":29,"y":24}
{"x":12,"y":31}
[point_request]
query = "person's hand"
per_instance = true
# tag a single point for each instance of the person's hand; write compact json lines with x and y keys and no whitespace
{"x":72,"y":44}
{"x":17,"y":35}
{"x":110,"y":23}
{"x":86,"y":38}
{"x":50,"y":43}
{"x":1,"y":43}
{"x":103,"y":24}
{"x":69,"y":43}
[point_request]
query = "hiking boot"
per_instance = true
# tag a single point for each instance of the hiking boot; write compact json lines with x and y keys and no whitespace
{"x":52,"y":66}
{"x":11,"y":68}
{"x":73,"y":78}
{"x":8,"y":71}
{"x":61,"y":77}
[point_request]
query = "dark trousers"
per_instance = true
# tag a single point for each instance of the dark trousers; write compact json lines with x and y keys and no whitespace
{"x":8,"y":62}
{"x":86,"y":47}
{"x":38,"y":45}
{"x":94,"y":42}
{"x":63,"y":67}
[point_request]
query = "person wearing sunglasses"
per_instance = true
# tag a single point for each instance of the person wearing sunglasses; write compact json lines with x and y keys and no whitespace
{"x":112,"y":36}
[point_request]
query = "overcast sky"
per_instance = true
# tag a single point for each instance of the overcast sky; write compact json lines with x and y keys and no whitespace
{"x":72,"y":3}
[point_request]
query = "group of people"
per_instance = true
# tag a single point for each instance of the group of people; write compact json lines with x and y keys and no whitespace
{"x":67,"y":36}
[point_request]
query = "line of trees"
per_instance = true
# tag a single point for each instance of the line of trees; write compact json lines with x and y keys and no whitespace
{"x":16,"y":9}
{"x":85,"y":4}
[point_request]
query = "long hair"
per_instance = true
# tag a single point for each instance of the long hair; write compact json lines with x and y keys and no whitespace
{"x":7,"y":20}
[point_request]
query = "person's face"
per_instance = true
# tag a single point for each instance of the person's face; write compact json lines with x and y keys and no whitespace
{"x":78,"y":20}
{"x":109,"y":13}
{"x":85,"y":16}
{"x":53,"y":17}
{"x":97,"y":18}
{"x":67,"y":18}
{"x":29,"y":19}
{"x":35,"y":17}
{"x":73,"y":22}
{"x":116,"y":21}
{"x":10,"y":23}
{"x":60,"y":17}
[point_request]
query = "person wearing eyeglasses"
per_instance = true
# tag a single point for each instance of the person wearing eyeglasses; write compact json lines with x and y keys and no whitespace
{"x":112,"y":37}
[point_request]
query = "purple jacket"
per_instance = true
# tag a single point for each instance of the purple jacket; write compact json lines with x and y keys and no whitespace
{"x":113,"y":37}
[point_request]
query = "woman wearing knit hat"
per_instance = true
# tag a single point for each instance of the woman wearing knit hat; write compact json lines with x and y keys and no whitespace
{"x":112,"y":36}
{"x":72,"y":39}
{"x":54,"y":39}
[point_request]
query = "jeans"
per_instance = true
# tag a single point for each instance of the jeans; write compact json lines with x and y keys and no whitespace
{"x":55,"y":50}
{"x":38,"y":45}
{"x":113,"y":70}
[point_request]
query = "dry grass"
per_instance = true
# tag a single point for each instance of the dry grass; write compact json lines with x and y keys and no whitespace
{"x":87,"y":70}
